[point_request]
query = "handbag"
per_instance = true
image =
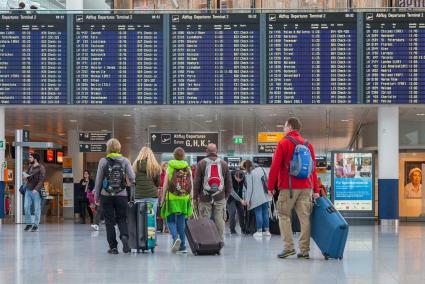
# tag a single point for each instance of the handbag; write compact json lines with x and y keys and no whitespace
{"x":22,"y":189}
{"x":264,"y":181}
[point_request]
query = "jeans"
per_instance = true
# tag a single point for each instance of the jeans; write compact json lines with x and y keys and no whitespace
{"x":233,"y":207}
{"x":115,"y":210}
{"x":154,"y":202}
{"x":30,"y":198}
{"x":262,"y":217}
{"x":176,"y":224}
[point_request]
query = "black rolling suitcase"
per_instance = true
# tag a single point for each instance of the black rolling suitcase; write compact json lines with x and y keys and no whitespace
{"x":141,"y":226}
{"x":203,"y":237}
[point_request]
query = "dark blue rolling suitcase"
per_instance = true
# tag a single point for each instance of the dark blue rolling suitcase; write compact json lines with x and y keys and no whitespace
{"x":329,"y":229}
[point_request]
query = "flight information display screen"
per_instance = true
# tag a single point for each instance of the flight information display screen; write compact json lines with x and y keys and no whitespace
{"x":394,"y":49}
{"x":118,"y":59}
{"x":33,"y":59}
{"x":312,"y":58}
{"x":215,"y":59}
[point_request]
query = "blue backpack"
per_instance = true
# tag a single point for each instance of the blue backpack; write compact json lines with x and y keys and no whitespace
{"x":301,"y":164}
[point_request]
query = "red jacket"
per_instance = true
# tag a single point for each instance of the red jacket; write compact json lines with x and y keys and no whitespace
{"x":279,"y":171}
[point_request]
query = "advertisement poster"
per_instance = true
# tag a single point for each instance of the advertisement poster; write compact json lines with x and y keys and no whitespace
{"x":353,"y":181}
{"x":413,"y":180}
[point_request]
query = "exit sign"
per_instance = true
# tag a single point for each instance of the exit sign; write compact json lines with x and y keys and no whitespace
{"x":238,"y":139}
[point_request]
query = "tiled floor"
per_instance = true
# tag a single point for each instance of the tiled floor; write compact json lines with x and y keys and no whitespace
{"x":68,"y":253}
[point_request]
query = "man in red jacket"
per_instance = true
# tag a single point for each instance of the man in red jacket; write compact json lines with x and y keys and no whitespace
{"x":301,"y":191}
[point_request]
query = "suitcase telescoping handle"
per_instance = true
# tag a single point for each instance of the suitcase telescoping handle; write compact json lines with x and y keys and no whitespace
{"x":330,"y":208}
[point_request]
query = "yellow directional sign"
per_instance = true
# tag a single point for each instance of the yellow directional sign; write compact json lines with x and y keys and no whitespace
{"x":269,"y":137}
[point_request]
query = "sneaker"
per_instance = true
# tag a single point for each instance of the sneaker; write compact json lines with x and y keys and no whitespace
{"x":176,"y":245}
{"x":303,"y":255}
{"x":125,"y":247}
{"x":258,"y":235}
{"x":182,"y":250}
{"x":95,"y":227}
{"x":34,"y":228}
{"x":286,"y":253}
{"x":27,"y":228}
{"x":233,"y":233}
{"x":113,"y":251}
{"x":267,"y":234}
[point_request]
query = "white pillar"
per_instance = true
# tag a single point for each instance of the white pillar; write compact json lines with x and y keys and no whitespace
{"x":19,"y":160}
{"x":74,"y":4}
{"x":388,"y":163}
{"x":77,"y":165}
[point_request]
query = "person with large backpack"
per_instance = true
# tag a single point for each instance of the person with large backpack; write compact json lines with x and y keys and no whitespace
{"x":114,"y":175}
{"x":176,"y":203}
{"x":212,"y":186}
{"x":293,"y":173}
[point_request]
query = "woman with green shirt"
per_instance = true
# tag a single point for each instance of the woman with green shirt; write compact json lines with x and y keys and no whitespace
{"x":147,"y":171}
{"x":177,"y":207}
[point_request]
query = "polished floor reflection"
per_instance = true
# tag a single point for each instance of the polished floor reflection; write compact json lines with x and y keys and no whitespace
{"x":68,"y":253}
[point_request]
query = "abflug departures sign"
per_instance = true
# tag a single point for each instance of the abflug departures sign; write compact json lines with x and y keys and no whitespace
{"x":394,"y":54}
{"x":33,"y":59}
{"x":166,"y":142}
{"x":312,"y":58}
{"x":118,"y":59}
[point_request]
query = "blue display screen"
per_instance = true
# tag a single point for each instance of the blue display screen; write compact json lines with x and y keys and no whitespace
{"x":312,"y":58}
{"x":33,"y":59}
{"x":215,"y":59}
{"x":394,"y":51}
{"x":118,"y":59}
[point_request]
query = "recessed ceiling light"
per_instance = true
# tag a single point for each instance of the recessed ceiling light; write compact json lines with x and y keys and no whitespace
{"x":200,"y":115}
{"x":208,"y":121}
{"x":280,"y":125}
{"x":104,"y":130}
{"x":420,"y":114}
{"x":152,"y":125}
{"x":128,"y":137}
{"x":61,"y":134}
{"x":345,"y":120}
{"x":126,"y":115}
{"x":273,"y":114}
{"x":72,"y":120}
{"x":27,"y":125}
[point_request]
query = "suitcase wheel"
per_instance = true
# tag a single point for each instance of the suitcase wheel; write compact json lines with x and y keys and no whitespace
{"x":341,"y":258}
{"x":219,"y":253}
{"x":326,"y":256}
{"x":153,"y":250}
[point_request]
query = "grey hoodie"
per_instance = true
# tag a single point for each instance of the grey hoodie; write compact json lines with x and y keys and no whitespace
{"x":100,"y":175}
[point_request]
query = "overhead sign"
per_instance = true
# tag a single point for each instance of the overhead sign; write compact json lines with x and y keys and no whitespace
{"x":95,"y":136}
{"x":86,"y":148}
{"x":264,"y":162}
{"x":238,"y":139}
{"x":191,"y":142}
{"x":266,"y":148}
{"x":269,"y":137}
{"x":411,"y":3}
{"x":26,"y":136}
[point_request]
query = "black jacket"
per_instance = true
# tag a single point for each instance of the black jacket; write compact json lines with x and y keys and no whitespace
{"x":82,"y":188}
{"x":237,"y":187}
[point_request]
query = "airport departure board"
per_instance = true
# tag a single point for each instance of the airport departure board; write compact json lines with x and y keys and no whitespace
{"x":312,"y":58}
{"x":215,"y":59}
{"x":394,"y":50}
{"x":33,"y":59}
{"x":118,"y":59}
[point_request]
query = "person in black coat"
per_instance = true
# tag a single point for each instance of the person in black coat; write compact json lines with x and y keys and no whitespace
{"x":235,"y":202}
{"x":85,"y":185}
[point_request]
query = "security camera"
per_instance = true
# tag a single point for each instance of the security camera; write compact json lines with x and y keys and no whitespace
{"x":175,"y":4}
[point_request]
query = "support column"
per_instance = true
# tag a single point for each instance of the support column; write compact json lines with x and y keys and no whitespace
{"x":77,"y":166}
{"x":2,"y":160}
{"x":388,"y":164}
{"x":74,"y":4}
{"x":19,"y":162}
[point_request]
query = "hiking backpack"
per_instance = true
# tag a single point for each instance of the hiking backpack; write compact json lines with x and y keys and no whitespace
{"x":114,"y":176}
{"x":301,"y":164}
{"x":213,"y":178}
{"x":181,"y":182}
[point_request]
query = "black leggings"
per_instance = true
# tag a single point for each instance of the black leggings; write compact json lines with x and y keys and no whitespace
{"x":85,"y":206}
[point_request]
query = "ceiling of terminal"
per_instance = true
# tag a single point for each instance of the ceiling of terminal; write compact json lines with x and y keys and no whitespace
{"x":328,"y":127}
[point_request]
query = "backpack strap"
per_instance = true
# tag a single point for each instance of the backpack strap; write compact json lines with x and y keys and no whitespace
{"x":289,"y":176}
{"x":292,"y":139}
